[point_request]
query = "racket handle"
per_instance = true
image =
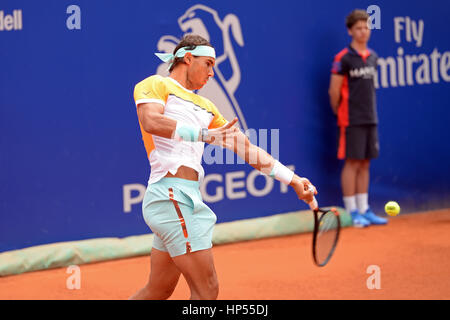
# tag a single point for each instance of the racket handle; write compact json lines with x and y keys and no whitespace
{"x":313,"y":204}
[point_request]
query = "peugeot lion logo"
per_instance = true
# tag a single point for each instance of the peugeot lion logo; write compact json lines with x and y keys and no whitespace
{"x":205,"y":22}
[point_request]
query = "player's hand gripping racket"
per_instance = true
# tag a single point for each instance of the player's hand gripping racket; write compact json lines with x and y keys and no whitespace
{"x":327,"y":226}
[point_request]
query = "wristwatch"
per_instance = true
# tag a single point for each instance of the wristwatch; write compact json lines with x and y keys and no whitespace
{"x":204,"y":134}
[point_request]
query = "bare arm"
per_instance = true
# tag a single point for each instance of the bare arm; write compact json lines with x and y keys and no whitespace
{"x":151,"y":116}
{"x":335,"y":91}
{"x":262,"y":161}
{"x":153,"y":121}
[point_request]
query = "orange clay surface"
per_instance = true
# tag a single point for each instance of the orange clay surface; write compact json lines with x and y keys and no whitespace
{"x":412,"y":252}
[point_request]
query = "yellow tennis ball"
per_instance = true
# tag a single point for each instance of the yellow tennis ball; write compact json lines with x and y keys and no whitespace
{"x":392,"y":208}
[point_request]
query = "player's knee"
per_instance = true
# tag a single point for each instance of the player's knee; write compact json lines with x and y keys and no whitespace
{"x":159,"y":292}
{"x":165,"y":294}
{"x":214,"y":289}
{"x":210,"y":290}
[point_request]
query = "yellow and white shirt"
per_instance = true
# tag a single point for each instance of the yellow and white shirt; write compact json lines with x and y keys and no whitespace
{"x":167,"y":155}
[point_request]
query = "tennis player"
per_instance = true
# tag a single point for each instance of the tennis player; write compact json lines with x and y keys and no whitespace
{"x":352,"y":97}
{"x":175,"y":123}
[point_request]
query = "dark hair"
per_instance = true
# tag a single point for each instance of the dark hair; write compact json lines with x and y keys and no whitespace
{"x":191,"y":41}
{"x":355,"y":16}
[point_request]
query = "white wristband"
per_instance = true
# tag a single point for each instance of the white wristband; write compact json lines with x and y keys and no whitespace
{"x":282,"y":173}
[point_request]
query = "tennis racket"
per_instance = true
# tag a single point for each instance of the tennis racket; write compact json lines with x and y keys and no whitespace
{"x":327,"y":226}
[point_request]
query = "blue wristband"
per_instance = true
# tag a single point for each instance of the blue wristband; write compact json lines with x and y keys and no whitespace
{"x":186,"y":133}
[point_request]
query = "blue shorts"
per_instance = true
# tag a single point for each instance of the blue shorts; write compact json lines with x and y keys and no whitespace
{"x":174,"y":210}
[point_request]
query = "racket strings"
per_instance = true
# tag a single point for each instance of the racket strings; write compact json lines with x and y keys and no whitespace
{"x":326,"y":236}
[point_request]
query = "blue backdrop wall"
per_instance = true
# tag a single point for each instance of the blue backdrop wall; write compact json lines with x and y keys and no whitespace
{"x":72,"y":163}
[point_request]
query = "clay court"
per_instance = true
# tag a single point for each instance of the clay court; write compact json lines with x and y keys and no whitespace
{"x":412,"y":252}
